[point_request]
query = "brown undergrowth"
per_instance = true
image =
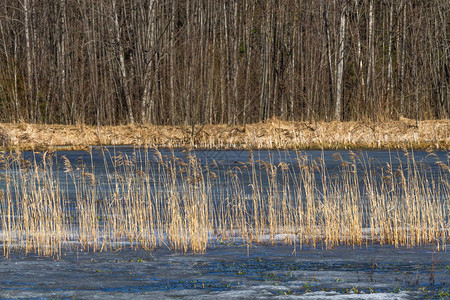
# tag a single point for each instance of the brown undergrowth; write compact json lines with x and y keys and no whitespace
{"x":271,"y":134}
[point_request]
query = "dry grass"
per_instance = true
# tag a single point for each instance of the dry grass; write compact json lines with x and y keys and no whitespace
{"x":272,"y":134}
{"x":148,"y":200}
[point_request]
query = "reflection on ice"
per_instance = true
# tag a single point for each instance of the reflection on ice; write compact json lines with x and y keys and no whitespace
{"x":375,"y":272}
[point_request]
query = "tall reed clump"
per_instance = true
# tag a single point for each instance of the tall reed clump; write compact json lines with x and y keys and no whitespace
{"x":148,"y":200}
{"x":32,"y":213}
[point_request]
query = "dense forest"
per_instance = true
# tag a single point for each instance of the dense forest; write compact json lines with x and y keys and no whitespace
{"x":237,"y":61}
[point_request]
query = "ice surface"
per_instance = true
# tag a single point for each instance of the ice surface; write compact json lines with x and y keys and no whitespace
{"x":375,"y":272}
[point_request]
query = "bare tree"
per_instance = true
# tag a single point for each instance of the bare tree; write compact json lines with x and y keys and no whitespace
{"x":340,"y":65}
{"x":240,"y":61}
{"x":122,"y":67}
{"x":327,"y":43}
{"x":371,"y":59}
{"x":26,"y":23}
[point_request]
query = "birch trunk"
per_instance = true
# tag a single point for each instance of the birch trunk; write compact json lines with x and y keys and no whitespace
{"x":249,"y":58}
{"x":362,"y":92}
{"x":172,"y":65}
{"x":61,"y":65}
{"x":223,"y":66}
{"x":147,"y":102}
{"x":327,"y":44}
{"x":235,"y":63}
{"x":29,"y":93}
{"x":340,"y":65}
{"x":371,"y":63}
{"x":122,"y":68}
{"x":389,"y":69}
{"x":402,"y":62}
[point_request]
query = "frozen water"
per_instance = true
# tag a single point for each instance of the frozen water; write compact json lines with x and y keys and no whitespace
{"x":374,"y":272}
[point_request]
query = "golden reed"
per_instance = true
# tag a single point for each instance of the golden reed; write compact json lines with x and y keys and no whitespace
{"x":148,"y":200}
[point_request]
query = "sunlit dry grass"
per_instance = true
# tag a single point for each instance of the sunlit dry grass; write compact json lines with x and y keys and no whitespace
{"x":148,"y":200}
{"x":271,"y":134}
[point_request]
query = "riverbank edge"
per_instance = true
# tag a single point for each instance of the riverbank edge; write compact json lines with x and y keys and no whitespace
{"x":270,"y":134}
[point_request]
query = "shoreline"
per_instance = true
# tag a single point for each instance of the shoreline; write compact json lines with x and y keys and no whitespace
{"x":270,"y":134}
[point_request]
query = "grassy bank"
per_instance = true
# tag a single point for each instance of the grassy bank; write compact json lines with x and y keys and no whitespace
{"x":148,"y":200}
{"x":271,"y":134}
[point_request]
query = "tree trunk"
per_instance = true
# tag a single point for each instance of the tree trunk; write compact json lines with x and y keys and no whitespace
{"x":371,"y":64}
{"x":172,"y":65}
{"x":122,"y":67}
{"x":402,"y":62}
{"x":235,"y":62}
{"x":147,"y":102}
{"x":361,"y":87}
{"x":389,"y":69}
{"x":327,"y":44}
{"x":29,"y":91}
{"x":340,"y":65}
{"x":249,"y":59}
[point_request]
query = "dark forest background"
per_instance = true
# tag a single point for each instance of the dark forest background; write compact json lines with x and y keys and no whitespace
{"x":183,"y":62}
